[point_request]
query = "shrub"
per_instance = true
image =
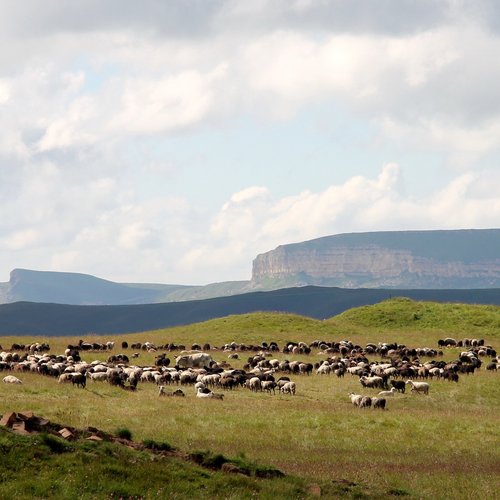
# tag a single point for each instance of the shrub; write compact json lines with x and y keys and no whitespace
{"x":151,"y":444}
{"x":55,"y":444}
{"x":124,"y":433}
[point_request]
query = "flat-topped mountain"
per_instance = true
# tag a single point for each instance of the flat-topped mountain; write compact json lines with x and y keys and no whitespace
{"x":410,"y":259}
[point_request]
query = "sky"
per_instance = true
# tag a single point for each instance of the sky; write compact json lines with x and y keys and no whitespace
{"x":173,"y":141}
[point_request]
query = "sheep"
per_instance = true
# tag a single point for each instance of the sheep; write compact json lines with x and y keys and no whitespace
{"x":10,"y":379}
{"x":162,"y":391}
{"x":387,"y":393}
{"x":399,"y":385}
{"x":206,"y":393}
{"x":355,"y":370}
{"x":366,"y":402}
{"x":378,"y":403}
{"x":98,"y":376}
{"x":419,"y":386}
{"x":355,"y":398}
{"x":324,"y":369}
{"x":254,"y":384}
{"x":79,"y":379}
{"x":288,"y":388}
{"x":65,"y":377}
{"x":372,"y":382}
{"x":269,"y":385}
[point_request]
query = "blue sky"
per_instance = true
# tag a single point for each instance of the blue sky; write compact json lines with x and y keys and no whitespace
{"x":174,"y":141}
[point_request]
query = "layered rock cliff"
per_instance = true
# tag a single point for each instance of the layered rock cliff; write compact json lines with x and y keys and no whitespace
{"x":403,"y":259}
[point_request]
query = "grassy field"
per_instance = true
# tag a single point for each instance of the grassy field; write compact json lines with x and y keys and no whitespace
{"x":444,"y":445}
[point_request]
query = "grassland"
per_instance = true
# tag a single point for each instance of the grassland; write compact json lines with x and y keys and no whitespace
{"x":441,"y":446}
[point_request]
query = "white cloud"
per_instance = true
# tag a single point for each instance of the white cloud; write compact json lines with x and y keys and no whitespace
{"x":360,"y":204}
{"x":94,"y":97}
{"x":21,"y":240}
{"x":4,"y":91}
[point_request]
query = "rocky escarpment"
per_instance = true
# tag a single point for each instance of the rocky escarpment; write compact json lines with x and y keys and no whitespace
{"x":409,"y":259}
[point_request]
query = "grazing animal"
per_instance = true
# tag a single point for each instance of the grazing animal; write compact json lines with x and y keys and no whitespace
{"x":79,"y":379}
{"x":288,"y":388}
{"x":207,"y":393}
{"x":269,"y":385}
{"x":366,"y":402}
{"x":387,"y":393}
{"x":378,"y":403}
{"x":355,"y":398}
{"x":162,"y":391}
{"x":197,"y":360}
{"x":10,"y":379}
{"x":374,"y":381}
{"x":399,"y":385}
{"x":254,"y":384}
{"x":418,"y":386}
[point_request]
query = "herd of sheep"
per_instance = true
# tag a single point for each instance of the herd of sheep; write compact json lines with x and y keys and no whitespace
{"x":262,"y":372}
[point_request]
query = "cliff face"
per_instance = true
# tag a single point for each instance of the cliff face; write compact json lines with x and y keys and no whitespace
{"x":471,"y":261}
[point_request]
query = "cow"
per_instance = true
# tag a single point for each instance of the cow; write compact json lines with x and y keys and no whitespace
{"x":197,"y":360}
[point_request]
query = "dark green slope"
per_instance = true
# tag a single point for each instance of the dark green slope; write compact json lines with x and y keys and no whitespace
{"x":26,"y":318}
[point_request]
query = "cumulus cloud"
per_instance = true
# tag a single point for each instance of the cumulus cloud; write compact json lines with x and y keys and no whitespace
{"x":94,"y":95}
{"x":239,"y":233}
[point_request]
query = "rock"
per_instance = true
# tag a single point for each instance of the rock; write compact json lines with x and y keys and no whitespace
{"x":66,"y":434}
{"x":20,"y":428}
{"x":94,"y":438}
{"x":8,"y":419}
{"x":25,"y":415}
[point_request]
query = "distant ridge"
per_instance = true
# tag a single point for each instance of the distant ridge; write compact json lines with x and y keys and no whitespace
{"x":27,"y":318}
{"x":84,"y":289}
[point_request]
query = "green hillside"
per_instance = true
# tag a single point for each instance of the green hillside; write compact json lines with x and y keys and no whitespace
{"x":405,"y":314}
{"x":397,"y":319}
{"x":44,"y":466}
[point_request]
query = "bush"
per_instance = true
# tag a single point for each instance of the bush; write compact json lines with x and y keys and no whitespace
{"x":151,"y":444}
{"x":208,"y":459}
{"x":124,"y":433}
{"x":55,"y":444}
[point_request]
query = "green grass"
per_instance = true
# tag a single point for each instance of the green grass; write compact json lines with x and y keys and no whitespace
{"x":421,"y":447}
{"x":460,"y":320}
{"x":32,"y":468}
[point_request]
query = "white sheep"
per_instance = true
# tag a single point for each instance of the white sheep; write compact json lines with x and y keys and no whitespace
{"x":355,"y":370}
{"x":288,"y":388}
{"x":419,"y":386}
{"x":65,"y":377}
{"x":255,"y":384}
{"x":98,"y":377}
{"x":387,"y":393}
{"x":10,"y":379}
{"x":355,"y":398}
{"x":206,"y":393}
{"x":324,"y":369}
{"x":374,"y":381}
